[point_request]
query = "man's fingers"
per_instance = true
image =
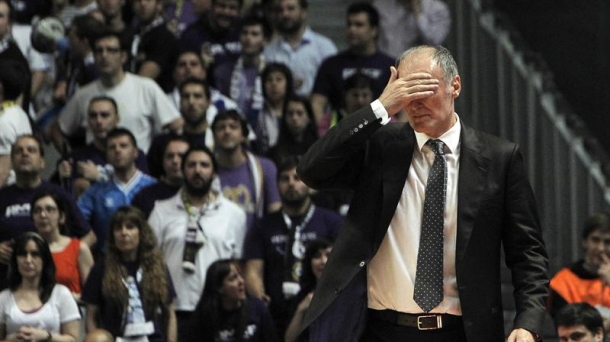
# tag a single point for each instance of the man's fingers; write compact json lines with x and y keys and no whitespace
{"x":393,"y":75}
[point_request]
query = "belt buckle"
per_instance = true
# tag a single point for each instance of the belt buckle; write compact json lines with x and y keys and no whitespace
{"x":422,"y":320}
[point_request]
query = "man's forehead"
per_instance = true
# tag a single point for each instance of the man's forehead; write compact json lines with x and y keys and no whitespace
{"x":198,"y":156}
{"x":26,"y":141}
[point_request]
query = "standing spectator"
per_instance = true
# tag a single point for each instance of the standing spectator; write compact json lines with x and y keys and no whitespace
{"x":9,"y":51}
{"x":144,"y":108}
{"x":130,"y":293}
{"x":27,"y":158}
{"x":14,"y":121}
{"x":89,"y":164}
{"x":72,"y":257}
{"x":298,"y":45}
{"x":579,"y":322}
{"x":275,"y":248}
{"x":153,"y":47}
{"x":74,"y":9}
{"x":298,"y":130}
{"x":195,"y":228}
{"x":241,"y":79}
{"x":170,"y":181}
{"x":361,"y":56}
{"x":198,"y":114}
{"x":245,"y":178}
{"x":112,"y":11}
{"x":80,"y":68}
{"x":357,"y":93}
{"x":190,"y":65}
{"x":181,"y":13}
{"x":406,"y":23}
{"x":277,"y":89}
{"x":586,"y":280}
{"x":102,"y":199}
{"x":225,"y":313}
{"x":35,"y":308}
{"x":216,"y":34}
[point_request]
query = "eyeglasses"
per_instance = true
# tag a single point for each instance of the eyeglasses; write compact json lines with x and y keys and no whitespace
{"x":48,"y":209}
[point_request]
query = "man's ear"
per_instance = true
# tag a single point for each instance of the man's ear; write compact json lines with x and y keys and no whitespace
{"x":456,"y":84}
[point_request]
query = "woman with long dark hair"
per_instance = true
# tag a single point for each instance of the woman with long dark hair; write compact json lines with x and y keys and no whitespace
{"x":130,"y":294}
{"x":277,"y":88}
{"x":73,"y":259}
{"x":225,"y":313}
{"x":314,"y":261}
{"x":34,"y":307}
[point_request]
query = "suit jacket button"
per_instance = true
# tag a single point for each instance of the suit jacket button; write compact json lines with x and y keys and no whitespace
{"x":362,"y":263}
{"x":356,"y":129}
{"x":337,"y":290}
{"x":360,"y":126}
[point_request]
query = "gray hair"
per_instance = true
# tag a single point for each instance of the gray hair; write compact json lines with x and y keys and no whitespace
{"x":440,"y":55}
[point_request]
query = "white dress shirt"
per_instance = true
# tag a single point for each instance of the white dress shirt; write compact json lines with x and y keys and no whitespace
{"x":391,"y":272}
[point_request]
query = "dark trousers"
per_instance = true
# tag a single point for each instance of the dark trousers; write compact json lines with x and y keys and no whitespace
{"x":183,"y":322}
{"x":378,"y":330}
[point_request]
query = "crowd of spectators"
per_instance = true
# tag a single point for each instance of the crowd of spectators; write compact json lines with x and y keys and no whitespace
{"x":175,"y":210}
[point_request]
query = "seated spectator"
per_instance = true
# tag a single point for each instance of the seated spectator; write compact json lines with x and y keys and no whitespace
{"x":197,"y":113}
{"x":14,"y":121}
{"x":298,"y":130}
{"x":586,"y":280}
{"x":102,"y":199}
{"x":240,"y":79}
{"x":154,"y":46}
{"x":72,"y":258}
{"x":196,"y":227}
{"x":361,"y":56}
{"x":130,"y":293}
{"x":88,"y":164}
{"x":406,"y":23}
{"x":27,"y":157}
{"x":245,"y":178}
{"x":225,"y":313}
{"x":190,"y":65}
{"x":314,"y":260}
{"x":35,"y":308}
{"x":579,"y":322}
{"x":171,"y":180}
{"x":215,"y":36}
{"x":274,"y":250}
{"x":277,"y":89}
{"x":144,"y":109}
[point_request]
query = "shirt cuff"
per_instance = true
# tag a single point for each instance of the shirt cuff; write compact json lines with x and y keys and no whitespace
{"x":380,"y":112}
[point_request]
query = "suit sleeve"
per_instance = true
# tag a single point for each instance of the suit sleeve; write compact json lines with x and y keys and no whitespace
{"x":525,"y":251}
{"x":335,"y":160}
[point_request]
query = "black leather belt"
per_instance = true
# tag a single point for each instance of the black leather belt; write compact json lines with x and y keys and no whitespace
{"x":419,"y":321}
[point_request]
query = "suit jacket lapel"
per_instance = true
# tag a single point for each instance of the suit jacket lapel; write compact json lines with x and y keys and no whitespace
{"x":471,"y":185}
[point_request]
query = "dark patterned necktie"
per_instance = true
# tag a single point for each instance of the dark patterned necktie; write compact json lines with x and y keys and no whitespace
{"x":428,"y":292}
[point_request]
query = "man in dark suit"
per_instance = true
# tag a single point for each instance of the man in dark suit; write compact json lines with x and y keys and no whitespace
{"x":367,"y":290}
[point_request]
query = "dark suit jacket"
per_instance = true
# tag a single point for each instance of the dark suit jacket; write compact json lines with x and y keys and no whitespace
{"x":496,"y":207}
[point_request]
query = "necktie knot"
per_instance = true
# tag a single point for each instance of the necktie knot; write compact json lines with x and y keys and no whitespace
{"x":437,"y":146}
